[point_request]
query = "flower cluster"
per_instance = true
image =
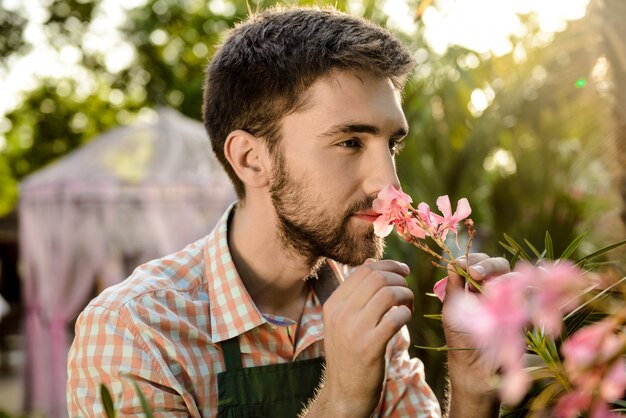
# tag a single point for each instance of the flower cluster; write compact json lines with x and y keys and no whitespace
{"x":536,"y":296}
{"x":414,"y":225}
{"x":520,"y":316}
{"x":595,"y":365}
{"x":395,"y":209}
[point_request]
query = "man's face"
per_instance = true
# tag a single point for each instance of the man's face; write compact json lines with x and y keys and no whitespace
{"x":333,"y":159}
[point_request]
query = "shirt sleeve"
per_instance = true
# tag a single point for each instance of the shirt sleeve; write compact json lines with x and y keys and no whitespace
{"x":405,"y":392}
{"x":108,"y":350}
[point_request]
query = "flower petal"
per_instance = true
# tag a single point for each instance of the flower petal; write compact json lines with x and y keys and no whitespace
{"x":443,"y":203}
{"x":463,"y":210}
{"x":440,"y":288}
{"x":614,"y":383}
{"x":382,"y":227}
{"x":390,"y":192}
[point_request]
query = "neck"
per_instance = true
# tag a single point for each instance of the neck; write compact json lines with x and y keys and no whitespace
{"x":274,"y":276}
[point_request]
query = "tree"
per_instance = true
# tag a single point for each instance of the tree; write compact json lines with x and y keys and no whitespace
{"x":527,"y":158}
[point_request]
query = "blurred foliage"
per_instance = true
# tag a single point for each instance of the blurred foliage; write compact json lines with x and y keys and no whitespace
{"x":531,"y":161}
{"x":11,"y":32}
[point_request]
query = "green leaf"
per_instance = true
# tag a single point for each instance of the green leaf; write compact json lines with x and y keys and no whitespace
{"x":533,"y":249}
{"x":523,"y":254}
{"x":514,"y":260}
{"x":599,"y":295}
{"x":107,"y":401}
{"x":144,"y":402}
{"x":549,"y":246}
{"x":601,"y":251}
{"x":433,"y":316}
{"x":572,"y":246}
{"x":444,"y":348}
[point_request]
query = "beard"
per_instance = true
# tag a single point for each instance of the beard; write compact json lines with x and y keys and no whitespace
{"x":308,"y":227}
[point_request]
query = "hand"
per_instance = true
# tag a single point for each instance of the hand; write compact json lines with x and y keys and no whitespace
{"x":360,"y":318}
{"x":470,"y":378}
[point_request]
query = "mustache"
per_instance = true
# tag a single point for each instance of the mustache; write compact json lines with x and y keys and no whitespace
{"x":362,"y":205}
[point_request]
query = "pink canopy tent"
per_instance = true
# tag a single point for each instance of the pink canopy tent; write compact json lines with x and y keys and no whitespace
{"x":135,"y":193}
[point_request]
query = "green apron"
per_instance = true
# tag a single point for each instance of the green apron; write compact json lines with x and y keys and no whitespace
{"x":272,"y":391}
{"x":276,"y":390}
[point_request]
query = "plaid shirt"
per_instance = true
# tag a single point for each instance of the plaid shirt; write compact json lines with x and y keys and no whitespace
{"x":161,"y":328}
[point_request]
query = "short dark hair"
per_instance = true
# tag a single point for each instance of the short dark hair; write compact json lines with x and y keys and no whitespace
{"x":260,"y":72}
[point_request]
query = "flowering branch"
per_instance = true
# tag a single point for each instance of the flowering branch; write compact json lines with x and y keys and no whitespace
{"x":414,"y":225}
{"x":523,"y":312}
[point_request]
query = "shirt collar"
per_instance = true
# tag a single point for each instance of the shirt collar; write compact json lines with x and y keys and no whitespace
{"x":231,"y":308}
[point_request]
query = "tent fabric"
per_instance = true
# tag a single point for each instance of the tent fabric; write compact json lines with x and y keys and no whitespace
{"x":133,"y":194}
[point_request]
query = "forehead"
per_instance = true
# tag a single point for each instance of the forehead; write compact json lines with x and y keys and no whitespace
{"x":348,"y":97}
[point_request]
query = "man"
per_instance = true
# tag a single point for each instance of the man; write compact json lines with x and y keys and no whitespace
{"x":263,"y":317}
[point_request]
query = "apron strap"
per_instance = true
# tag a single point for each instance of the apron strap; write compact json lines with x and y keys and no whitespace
{"x":232,"y":354}
{"x":327,"y":281}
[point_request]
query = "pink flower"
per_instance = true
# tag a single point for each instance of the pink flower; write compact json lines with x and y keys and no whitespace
{"x":593,"y":360}
{"x":572,"y":404}
{"x":393,"y":206}
{"x":614,"y":383}
{"x":440,"y":288}
{"x":556,"y":289}
{"x":450,"y":220}
{"x":410,"y":227}
{"x":431,"y":221}
{"x":514,"y":384}
{"x":591,"y":344}
{"x":495,"y":322}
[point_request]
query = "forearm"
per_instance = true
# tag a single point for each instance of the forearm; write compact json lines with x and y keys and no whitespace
{"x":466,"y":404}
{"x":324,"y":405}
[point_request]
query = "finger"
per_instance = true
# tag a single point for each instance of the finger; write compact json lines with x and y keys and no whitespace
{"x":392,"y":266}
{"x":370,"y":286}
{"x":384,"y":300}
{"x":391,"y":322}
{"x":490,"y":267}
{"x":353,"y":281}
{"x":455,"y":277}
{"x":474,"y":258}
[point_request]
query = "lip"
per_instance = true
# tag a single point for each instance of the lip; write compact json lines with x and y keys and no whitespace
{"x":369,"y":216}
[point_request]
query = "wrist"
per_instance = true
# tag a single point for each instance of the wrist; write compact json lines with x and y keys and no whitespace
{"x":329,"y":404}
{"x":472,"y":400}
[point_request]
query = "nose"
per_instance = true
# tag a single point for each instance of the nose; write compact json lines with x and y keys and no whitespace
{"x":380,"y":171}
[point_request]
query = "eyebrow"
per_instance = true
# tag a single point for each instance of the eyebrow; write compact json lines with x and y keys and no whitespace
{"x":350,"y":128}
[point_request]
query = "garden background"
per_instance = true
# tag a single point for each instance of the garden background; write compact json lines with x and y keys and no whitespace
{"x":520,"y":106}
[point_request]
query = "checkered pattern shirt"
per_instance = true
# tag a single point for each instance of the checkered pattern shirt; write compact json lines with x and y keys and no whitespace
{"x":161,"y":328}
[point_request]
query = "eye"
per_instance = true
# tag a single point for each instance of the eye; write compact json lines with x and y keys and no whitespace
{"x":396,"y":145}
{"x":351,"y":143}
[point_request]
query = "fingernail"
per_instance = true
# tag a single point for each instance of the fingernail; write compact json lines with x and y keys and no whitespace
{"x":478,"y":269}
{"x":405,"y":267}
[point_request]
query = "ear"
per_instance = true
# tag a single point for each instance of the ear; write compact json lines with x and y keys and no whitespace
{"x":247,"y":156}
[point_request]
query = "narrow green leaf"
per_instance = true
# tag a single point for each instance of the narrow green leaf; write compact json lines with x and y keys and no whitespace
{"x":549,"y":246}
{"x":507,"y":247}
{"x":599,"y":295}
{"x":444,"y":348}
{"x":572,"y":246}
{"x":601,"y":251}
{"x":523,"y":254}
{"x":514,"y":260}
{"x":144,"y":402}
{"x":107,"y":401}
{"x":533,"y":248}
{"x":433,"y":316}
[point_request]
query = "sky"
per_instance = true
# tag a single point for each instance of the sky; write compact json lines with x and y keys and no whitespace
{"x":480,"y":25}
